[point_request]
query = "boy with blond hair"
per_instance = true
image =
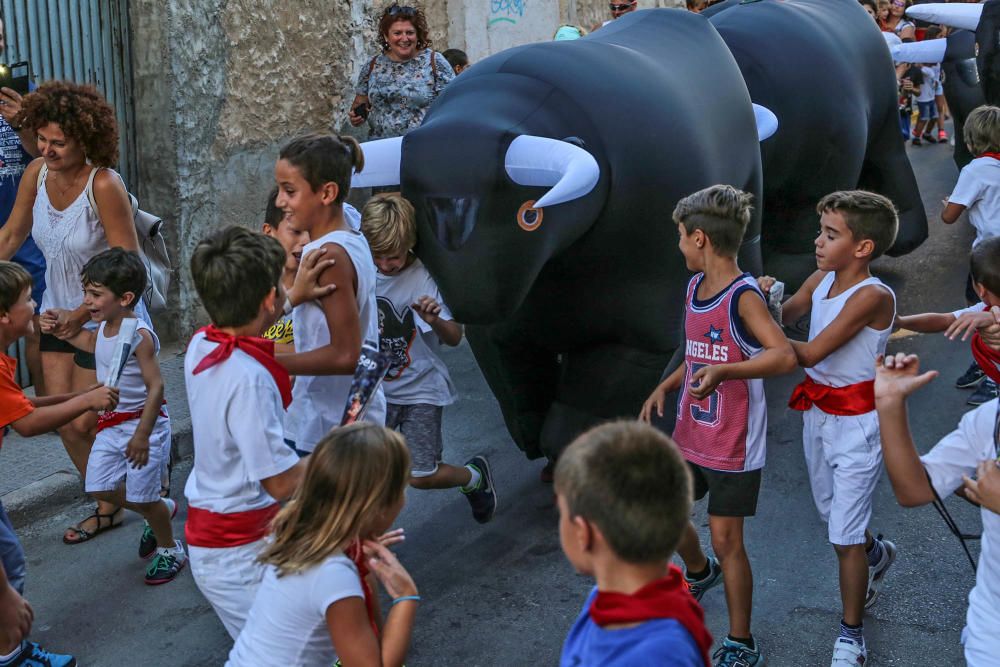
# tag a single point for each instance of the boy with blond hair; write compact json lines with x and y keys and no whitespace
{"x":624,"y":495}
{"x":413,"y":322}
{"x":731,"y":343}
{"x":852,"y":314}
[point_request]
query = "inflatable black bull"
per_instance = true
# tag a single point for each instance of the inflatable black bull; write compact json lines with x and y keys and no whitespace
{"x":823,"y":68}
{"x":562,"y":257}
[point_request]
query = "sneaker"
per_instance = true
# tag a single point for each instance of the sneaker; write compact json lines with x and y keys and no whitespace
{"x":971,"y":377}
{"x":483,"y":498}
{"x":928,"y":137}
{"x":33,"y":655}
{"x":711,"y":580}
{"x":848,"y":653}
{"x":147,"y":543}
{"x":735,"y":654}
{"x":877,"y":573}
{"x":166,"y":565}
{"x":917,"y":142}
{"x":942,"y":136}
{"x":986,"y":391}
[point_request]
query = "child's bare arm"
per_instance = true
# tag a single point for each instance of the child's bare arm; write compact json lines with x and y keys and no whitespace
{"x":799,"y":303}
{"x":925,"y":322}
{"x":896,"y":377}
{"x":340,"y":356}
{"x":866,"y":307}
{"x":284,"y":484}
{"x":658,"y":397}
{"x":48,"y":418}
{"x":429,"y":310}
{"x":137,"y":451}
{"x":951,"y":212}
{"x":777,"y":357}
{"x":85,"y":340}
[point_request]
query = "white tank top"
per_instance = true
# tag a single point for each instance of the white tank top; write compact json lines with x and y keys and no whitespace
{"x":318,"y":401}
{"x":854,"y":361}
{"x":132,"y":388}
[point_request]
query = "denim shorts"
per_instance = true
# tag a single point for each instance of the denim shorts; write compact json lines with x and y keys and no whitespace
{"x":928,"y":110}
{"x":11,"y":553}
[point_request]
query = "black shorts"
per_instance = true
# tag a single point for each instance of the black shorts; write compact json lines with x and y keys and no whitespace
{"x":729,"y":493}
{"x":49,"y":343}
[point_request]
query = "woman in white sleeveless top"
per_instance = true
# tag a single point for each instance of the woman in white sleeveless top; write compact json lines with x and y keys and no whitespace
{"x":78,"y":142}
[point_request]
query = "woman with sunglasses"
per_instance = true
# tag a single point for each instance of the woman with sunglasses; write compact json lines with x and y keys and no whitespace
{"x":898,"y":23}
{"x":397,"y":86}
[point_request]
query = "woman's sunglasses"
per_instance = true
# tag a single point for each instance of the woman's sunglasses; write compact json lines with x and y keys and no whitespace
{"x":396,"y":10}
{"x":621,"y":7}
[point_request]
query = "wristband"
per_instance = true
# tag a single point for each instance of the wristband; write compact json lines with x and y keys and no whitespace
{"x":404,"y":598}
{"x":287,"y":308}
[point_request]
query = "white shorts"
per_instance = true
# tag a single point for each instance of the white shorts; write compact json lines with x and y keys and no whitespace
{"x":107,"y":466}
{"x":979,"y":636}
{"x":844,"y":459}
{"x":228,"y":578}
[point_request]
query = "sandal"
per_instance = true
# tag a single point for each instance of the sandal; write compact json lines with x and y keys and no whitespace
{"x":83,"y":535}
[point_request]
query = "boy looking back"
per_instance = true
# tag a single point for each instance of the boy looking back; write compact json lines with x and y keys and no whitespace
{"x":731,"y":343}
{"x":624,"y":496}
{"x":852,"y":314}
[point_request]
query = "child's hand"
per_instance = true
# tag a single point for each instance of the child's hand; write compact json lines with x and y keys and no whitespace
{"x":59,"y":323}
{"x":47,"y":321}
{"x":428,"y":309}
{"x":985,"y":489}
{"x":391,"y":537}
{"x":16,"y":616}
{"x":991,"y":333}
{"x":765,"y":283}
{"x":898,"y":375}
{"x":383,"y":564}
{"x":137,"y":452}
{"x":306,"y":286}
{"x":101,"y":398}
{"x":706,"y":380}
{"x":968,"y":323}
{"x":654,"y":402}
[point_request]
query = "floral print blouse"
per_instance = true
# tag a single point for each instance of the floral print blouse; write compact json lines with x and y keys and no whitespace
{"x":400,"y":93}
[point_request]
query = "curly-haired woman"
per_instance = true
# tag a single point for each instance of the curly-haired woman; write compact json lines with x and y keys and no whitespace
{"x":76,"y":134}
{"x":396,"y":87}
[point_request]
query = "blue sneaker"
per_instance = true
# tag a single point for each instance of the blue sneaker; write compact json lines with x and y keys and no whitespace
{"x":33,"y":655}
{"x":713,"y":579}
{"x":735,"y":654}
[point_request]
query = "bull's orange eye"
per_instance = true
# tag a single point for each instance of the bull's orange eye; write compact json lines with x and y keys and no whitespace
{"x":529,"y":219}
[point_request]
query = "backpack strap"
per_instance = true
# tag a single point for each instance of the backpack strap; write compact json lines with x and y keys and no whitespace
{"x":90,"y":191}
{"x":434,"y":69}
{"x":41,"y":178}
{"x":371,"y":68}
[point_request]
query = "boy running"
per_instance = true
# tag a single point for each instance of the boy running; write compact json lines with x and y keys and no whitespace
{"x":731,"y":343}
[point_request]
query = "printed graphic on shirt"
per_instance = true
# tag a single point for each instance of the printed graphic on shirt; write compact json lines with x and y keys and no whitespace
{"x":281,"y":332}
{"x":396,"y":335}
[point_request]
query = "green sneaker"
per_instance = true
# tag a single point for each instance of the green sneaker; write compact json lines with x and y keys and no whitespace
{"x":147,"y":543}
{"x":166,"y":565}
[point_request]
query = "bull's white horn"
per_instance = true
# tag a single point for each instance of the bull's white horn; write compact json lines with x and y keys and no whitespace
{"x":891,"y":39}
{"x":539,"y":161}
{"x":767,"y":122}
{"x":956,"y":15}
{"x":382,"y":158}
{"x":927,"y":51}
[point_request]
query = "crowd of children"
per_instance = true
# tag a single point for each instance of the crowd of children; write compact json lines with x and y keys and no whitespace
{"x":289,"y":513}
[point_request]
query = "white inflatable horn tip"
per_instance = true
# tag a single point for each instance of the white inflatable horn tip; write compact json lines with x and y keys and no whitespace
{"x":955,"y":15}
{"x":767,"y":122}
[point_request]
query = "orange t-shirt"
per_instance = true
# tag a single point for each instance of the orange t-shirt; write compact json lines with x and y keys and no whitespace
{"x":13,"y":403}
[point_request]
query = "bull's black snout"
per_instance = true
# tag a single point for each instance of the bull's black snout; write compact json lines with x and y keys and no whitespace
{"x":454,"y":219}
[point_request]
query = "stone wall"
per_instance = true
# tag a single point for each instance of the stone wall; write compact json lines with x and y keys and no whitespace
{"x":219,"y":84}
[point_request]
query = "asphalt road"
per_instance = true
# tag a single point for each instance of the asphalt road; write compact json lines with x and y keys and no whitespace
{"x":502,"y":594}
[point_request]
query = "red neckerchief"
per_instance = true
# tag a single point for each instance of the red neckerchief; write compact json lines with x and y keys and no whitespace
{"x":357,"y":555}
{"x":258,"y":348}
{"x":668,"y":597}
{"x":995,"y":156}
{"x":986,"y":357}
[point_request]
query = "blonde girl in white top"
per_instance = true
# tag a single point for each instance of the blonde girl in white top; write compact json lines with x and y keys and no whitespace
{"x":76,"y":133}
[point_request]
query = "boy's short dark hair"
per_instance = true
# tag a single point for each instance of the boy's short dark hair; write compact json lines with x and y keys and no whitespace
{"x":984,"y":264}
{"x":14,"y":279}
{"x":869,"y":216}
{"x":456,"y":58}
{"x":630,"y":480}
{"x":721,"y":211}
{"x":119,"y":270}
{"x":234,"y":270}
{"x":272,"y":214}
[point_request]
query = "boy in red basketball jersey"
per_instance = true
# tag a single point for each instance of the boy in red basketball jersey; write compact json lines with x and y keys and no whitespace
{"x":731,"y":342}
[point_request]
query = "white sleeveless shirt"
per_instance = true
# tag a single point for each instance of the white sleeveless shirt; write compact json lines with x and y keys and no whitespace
{"x":854,"y":361}
{"x":131,"y":387}
{"x":318,"y":401}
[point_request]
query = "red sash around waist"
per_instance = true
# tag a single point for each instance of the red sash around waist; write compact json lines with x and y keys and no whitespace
{"x":205,"y":528}
{"x":109,"y":419}
{"x":854,"y":399}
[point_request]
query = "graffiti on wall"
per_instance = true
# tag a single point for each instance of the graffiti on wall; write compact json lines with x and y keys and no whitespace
{"x":506,"y":11}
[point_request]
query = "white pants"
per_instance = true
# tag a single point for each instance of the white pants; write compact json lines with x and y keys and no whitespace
{"x":228,"y":578}
{"x":844,"y":459}
{"x":980,"y":636}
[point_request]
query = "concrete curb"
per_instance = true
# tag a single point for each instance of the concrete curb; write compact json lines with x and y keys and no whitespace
{"x":51,"y":494}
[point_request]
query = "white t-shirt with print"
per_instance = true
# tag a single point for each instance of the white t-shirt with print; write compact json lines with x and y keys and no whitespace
{"x":416,"y":373}
{"x":929,"y":85}
{"x":287,"y":623}
{"x":978,"y":189}
{"x":236,"y":417}
{"x":957,"y":454}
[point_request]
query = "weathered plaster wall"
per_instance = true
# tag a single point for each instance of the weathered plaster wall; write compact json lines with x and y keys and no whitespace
{"x":220,"y":84}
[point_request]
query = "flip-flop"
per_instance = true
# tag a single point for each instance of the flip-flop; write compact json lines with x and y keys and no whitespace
{"x":85,"y":535}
